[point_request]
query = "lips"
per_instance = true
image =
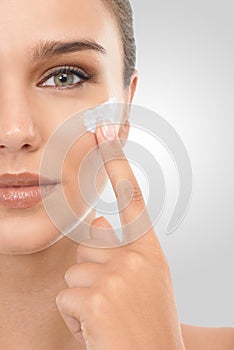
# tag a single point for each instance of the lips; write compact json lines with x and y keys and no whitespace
{"x":24,"y":180}
{"x":24,"y":190}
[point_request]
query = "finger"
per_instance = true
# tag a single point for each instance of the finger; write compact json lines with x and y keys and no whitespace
{"x":70,"y":302}
{"x":132,"y":210}
{"x":86,"y":253}
{"x":83,"y":274}
{"x":101,"y":234}
{"x":102,"y":230}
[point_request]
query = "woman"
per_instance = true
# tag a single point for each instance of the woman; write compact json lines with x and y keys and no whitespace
{"x":57,"y":58}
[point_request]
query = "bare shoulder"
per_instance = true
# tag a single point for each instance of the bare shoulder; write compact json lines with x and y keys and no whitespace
{"x":207,"y":338}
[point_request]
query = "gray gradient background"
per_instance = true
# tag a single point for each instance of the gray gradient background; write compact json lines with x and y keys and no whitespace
{"x":185,"y":62}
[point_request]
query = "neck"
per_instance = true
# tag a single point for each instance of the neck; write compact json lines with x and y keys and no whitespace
{"x":29,"y":285}
{"x":33,"y":273}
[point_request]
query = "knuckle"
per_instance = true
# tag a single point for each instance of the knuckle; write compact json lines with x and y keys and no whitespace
{"x":97,"y":303}
{"x":61,"y":298}
{"x":80,"y":253}
{"x":83,"y":253}
{"x":70,"y":273}
{"x":114,"y":282}
{"x":130,"y":193}
{"x":137,"y":195}
{"x":134,"y":260}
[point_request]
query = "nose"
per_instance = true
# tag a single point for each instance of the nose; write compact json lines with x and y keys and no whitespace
{"x":17,"y":128}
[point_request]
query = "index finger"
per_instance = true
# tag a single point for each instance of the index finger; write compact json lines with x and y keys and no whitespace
{"x":132,"y":209}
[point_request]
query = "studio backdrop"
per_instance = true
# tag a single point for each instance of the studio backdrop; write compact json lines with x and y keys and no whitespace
{"x":185,"y":55}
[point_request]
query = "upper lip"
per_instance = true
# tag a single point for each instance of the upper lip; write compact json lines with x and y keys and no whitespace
{"x":24,"y":179}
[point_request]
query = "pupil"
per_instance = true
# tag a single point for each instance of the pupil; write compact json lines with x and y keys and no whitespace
{"x":63,"y":78}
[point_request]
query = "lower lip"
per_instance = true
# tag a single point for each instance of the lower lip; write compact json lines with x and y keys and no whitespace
{"x":24,"y":197}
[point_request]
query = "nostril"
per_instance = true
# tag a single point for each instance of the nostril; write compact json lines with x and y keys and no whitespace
{"x":26,"y":146}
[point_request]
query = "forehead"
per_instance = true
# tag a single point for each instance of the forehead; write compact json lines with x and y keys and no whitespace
{"x":26,"y":22}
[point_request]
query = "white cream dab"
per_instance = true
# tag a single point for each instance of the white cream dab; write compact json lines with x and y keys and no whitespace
{"x":107,"y":111}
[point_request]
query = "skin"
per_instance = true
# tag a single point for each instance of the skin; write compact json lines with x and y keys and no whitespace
{"x":66,"y":287}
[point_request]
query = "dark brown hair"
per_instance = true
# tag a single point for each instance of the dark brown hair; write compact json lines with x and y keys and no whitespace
{"x":122,"y":11}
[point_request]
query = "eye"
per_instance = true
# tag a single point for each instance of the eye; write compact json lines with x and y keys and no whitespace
{"x":65,"y":77}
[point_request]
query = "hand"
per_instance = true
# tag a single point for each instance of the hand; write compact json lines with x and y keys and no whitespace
{"x":121,"y":298}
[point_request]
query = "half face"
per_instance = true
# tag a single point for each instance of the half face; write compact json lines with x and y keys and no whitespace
{"x":57,"y":58}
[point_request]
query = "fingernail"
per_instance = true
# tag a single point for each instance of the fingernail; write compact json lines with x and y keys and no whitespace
{"x":108,"y":131}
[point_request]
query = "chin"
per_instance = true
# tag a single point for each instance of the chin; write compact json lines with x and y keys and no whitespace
{"x":27,"y":235}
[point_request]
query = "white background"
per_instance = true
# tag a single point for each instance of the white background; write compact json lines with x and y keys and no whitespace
{"x":185,"y":58}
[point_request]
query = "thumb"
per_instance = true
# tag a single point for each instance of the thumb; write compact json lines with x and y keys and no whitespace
{"x":103,"y":231}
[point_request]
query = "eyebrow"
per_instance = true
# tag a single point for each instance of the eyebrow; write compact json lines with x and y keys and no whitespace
{"x":48,"y":49}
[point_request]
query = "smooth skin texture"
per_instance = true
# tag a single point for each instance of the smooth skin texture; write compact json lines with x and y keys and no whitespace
{"x":35,"y":287}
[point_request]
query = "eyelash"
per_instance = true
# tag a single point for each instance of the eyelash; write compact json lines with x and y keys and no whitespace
{"x":68,"y":70}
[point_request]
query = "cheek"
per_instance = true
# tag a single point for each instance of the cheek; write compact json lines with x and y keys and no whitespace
{"x":84,"y":177}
